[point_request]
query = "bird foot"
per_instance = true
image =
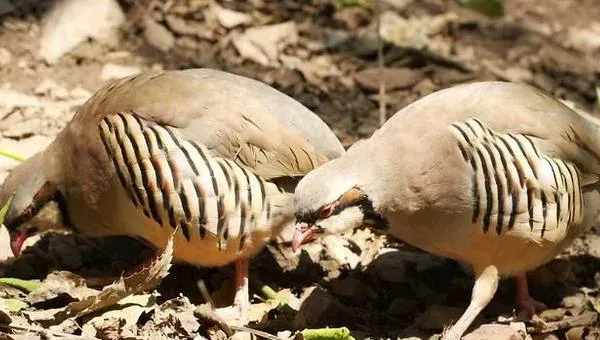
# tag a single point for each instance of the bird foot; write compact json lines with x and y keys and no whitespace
{"x":532,"y":307}
{"x":233,"y":315}
{"x":450,"y":335}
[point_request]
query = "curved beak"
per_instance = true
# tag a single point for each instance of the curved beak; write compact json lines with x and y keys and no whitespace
{"x":17,"y":238}
{"x":303,"y":234}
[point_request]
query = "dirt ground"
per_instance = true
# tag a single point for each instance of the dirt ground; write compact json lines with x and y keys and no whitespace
{"x":326,"y":56}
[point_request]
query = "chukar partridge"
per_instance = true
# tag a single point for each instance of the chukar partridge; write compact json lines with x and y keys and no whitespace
{"x":208,"y":154}
{"x":496,"y":174}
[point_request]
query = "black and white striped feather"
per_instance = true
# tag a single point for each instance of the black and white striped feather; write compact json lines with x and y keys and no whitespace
{"x":178,"y":183}
{"x":515,"y":186}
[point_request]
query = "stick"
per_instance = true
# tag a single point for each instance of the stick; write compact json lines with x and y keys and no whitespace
{"x":12,"y":155}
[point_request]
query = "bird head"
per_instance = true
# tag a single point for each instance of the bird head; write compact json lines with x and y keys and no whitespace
{"x":30,"y":202}
{"x":330,"y":201}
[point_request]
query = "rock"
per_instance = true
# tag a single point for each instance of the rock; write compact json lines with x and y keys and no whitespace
{"x":115,"y":71}
{"x":70,"y":22}
{"x":228,"y":18}
{"x":5,"y":56}
{"x":353,"y":289}
{"x":436,"y":317}
{"x":158,"y":35}
{"x":401,"y":307}
{"x":496,"y":332}
{"x":319,"y":308}
{"x":393,"y":78}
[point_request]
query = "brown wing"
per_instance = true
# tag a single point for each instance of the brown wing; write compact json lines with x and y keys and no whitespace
{"x":234,"y":117}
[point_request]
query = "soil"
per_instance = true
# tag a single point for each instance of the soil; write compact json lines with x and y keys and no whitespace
{"x":374,"y":285}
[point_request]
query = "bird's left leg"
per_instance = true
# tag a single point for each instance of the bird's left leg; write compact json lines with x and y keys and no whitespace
{"x":484,"y":289}
{"x":241,"y":301}
{"x":525,"y":300}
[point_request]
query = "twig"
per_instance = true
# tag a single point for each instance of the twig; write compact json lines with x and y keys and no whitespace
{"x":12,"y":155}
{"x":380,"y":62}
{"x":55,"y":333}
{"x":255,"y":332}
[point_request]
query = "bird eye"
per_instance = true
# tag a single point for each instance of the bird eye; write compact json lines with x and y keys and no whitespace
{"x":326,"y":211}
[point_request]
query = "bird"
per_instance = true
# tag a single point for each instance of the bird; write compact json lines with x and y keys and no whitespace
{"x":499,"y":175}
{"x":208,"y":155}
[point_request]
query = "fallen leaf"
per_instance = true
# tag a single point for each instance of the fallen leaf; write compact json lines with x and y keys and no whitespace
{"x":59,"y":283}
{"x":262,"y":44}
{"x":491,"y":8}
{"x":70,"y":22}
{"x":13,"y":305}
{"x":142,"y":280}
{"x":24,"y":285}
{"x":228,"y":18}
{"x":127,"y":312}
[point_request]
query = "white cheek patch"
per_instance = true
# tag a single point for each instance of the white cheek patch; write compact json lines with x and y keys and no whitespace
{"x":346,"y":220}
{"x":48,"y":218}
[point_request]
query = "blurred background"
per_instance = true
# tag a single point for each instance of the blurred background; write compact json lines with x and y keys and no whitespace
{"x":354,"y":63}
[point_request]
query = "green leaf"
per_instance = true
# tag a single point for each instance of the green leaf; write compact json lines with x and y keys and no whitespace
{"x":4,"y":210}
{"x":491,"y":8}
{"x":24,"y":285}
{"x":341,"y":333}
{"x":14,"y":305}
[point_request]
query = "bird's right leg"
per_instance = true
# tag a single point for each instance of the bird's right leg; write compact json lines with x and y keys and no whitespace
{"x":486,"y":283}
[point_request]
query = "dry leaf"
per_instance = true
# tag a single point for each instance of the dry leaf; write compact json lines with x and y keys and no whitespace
{"x":127,"y":312}
{"x":142,"y":280}
{"x":263,"y":44}
{"x":59,"y":283}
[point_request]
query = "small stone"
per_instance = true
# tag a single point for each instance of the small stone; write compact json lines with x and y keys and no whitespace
{"x":496,"y":332}
{"x":158,"y":36}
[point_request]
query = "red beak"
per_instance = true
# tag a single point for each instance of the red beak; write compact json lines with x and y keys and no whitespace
{"x":304,"y":233}
{"x":17,"y":238}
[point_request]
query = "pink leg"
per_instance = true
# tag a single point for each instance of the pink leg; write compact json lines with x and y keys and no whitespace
{"x":241,"y":301}
{"x":242,"y":295}
{"x":524,"y":299}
